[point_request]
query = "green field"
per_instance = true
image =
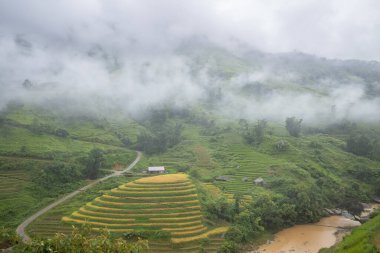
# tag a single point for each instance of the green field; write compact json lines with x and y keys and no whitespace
{"x":363,"y":239}
{"x":25,"y":153}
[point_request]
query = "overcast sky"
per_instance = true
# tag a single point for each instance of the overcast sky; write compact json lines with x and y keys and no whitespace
{"x":328,"y":28}
{"x":70,"y":49}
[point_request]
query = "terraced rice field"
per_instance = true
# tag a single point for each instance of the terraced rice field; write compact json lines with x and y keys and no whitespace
{"x":175,"y":158}
{"x":166,"y":202}
{"x":16,"y":196}
{"x":203,"y":157}
{"x":11,"y":183}
{"x":51,"y":223}
{"x":49,"y":226}
{"x":251,"y":165}
{"x":216,"y":192}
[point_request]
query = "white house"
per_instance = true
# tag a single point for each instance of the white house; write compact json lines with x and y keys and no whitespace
{"x":259,"y":181}
{"x":158,"y":169}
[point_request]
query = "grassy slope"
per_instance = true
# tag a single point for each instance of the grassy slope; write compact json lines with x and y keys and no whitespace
{"x":24,"y":153}
{"x":227,"y":154}
{"x":364,"y":239}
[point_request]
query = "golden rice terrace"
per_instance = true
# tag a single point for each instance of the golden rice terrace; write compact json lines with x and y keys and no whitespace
{"x":164,"y":203}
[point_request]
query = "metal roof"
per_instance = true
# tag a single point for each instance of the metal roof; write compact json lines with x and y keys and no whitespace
{"x":158,"y":168}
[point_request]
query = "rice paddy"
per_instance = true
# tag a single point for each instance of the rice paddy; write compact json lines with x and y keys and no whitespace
{"x":12,"y":182}
{"x":15,"y":197}
{"x":250,"y":165}
{"x":159,"y":203}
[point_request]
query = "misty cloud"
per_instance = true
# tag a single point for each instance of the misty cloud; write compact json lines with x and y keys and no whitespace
{"x":102,"y":55}
{"x":339,"y":28}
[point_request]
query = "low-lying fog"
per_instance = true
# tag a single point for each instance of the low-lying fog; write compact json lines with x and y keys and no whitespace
{"x":131,"y":55}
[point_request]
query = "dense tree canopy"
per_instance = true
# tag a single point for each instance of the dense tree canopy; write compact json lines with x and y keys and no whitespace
{"x":293,"y":126}
{"x":94,"y":162}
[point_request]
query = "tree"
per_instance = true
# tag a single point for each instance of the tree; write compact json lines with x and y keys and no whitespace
{"x":61,"y":132}
{"x":359,"y":144}
{"x":253,"y":134}
{"x":246,"y":226}
{"x":27,"y":84}
{"x":228,"y":247}
{"x":243,"y":123}
{"x":2,"y":120}
{"x":375,"y":155}
{"x":159,"y":140}
{"x":293,"y":126}
{"x":218,"y":208}
{"x":57,"y":174}
{"x":94,"y":163}
{"x":377,"y":186}
{"x":238,"y":200}
{"x":274,"y":211}
{"x":259,"y":129}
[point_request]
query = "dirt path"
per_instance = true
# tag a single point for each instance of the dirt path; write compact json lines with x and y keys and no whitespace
{"x":21,"y":228}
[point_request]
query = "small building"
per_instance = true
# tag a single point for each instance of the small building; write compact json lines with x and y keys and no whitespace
{"x":259,"y":181}
{"x":156,"y":170}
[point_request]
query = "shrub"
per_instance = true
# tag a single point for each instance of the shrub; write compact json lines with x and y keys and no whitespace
{"x":183,"y":168}
{"x":83,"y":241}
{"x":228,"y":247}
{"x":144,"y":234}
{"x":8,"y":238}
{"x":58,"y":173}
{"x":235,"y":234}
{"x":61,"y":132}
{"x":195,"y":174}
{"x":359,"y":144}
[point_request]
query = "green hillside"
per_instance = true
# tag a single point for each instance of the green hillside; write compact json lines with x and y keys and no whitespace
{"x":364,"y":239}
{"x":301,"y":175}
{"x":30,"y":147}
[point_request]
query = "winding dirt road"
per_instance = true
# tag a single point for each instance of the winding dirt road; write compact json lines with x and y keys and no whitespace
{"x":21,"y":228}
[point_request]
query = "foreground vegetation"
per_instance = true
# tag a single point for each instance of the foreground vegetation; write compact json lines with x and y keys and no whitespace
{"x":82,"y":240}
{"x":365,"y":239}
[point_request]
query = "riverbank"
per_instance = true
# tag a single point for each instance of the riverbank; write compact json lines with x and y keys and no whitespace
{"x":308,"y":238}
{"x":311,"y":238}
{"x":363,"y":239}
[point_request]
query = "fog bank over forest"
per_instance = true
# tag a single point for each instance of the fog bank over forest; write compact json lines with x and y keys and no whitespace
{"x":98,"y":56}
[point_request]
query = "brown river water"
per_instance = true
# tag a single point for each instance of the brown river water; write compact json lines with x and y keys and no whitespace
{"x":309,"y":238}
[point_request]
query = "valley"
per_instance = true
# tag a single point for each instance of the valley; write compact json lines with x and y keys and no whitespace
{"x":213,"y":197}
{"x":189,"y":126}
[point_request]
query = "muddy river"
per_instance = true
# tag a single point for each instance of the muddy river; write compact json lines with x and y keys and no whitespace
{"x":308,"y":238}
